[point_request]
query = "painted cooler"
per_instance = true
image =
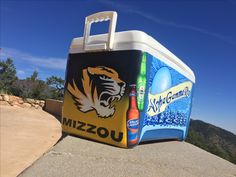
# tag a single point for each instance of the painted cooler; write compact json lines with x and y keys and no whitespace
{"x":123,"y":88}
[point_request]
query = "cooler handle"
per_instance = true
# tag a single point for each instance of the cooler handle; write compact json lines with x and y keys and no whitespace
{"x":100,"y":17}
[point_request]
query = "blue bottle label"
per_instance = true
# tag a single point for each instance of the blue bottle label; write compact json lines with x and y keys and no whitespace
{"x":132,"y":136}
{"x":133,"y":124}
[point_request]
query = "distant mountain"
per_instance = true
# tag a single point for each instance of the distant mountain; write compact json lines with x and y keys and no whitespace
{"x":213,"y":139}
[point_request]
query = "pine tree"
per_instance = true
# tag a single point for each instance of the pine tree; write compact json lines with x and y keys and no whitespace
{"x":7,"y":75}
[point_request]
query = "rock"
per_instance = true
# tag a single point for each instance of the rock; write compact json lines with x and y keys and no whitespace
{"x":6,"y":98}
{"x":1,"y":98}
{"x":27,"y":105}
{"x":37,"y":101}
{"x":42,"y":101}
{"x":11,"y":103}
{"x":39,"y":107}
{"x":14,"y":98}
{"x":20,"y":105}
{"x":5,"y":103}
{"x":15,"y":103}
{"x":41,"y":104}
{"x":29,"y":100}
{"x":35,"y":106}
{"x":20,"y":101}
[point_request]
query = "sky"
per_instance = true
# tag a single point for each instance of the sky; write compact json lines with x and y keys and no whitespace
{"x":37,"y":35}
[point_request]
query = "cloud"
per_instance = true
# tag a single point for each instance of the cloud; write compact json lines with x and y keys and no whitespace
{"x":36,"y":61}
{"x":166,"y":22}
{"x":20,"y":72}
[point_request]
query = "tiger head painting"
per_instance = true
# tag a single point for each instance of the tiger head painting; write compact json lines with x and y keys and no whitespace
{"x":101,"y":88}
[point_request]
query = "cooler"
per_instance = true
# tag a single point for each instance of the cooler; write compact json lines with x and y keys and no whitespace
{"x":123,"y":88}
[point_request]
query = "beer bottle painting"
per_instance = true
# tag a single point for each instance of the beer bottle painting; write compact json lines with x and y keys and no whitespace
{"x":132,"y":118}
{"x":141,"y":83}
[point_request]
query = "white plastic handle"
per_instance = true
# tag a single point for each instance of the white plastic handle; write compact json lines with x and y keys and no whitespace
{"x":100,"y":17}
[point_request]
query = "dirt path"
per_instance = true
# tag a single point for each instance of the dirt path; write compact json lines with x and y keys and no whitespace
{"x":25,"y":134}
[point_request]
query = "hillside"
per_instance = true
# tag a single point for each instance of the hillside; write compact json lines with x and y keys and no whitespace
{"x":213,"y":139}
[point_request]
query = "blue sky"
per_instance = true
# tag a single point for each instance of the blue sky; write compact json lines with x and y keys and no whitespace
{"x":37,"y":35}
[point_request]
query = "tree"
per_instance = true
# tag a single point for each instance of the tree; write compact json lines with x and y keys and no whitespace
{"x":33,"y":77}
{"x":33,"y":87}
{"x":57,"y":86}
{"x":38,"y":91}
{"x":7,"y":75}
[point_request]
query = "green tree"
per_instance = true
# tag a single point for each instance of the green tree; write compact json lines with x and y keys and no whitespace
{"x":36,"y":87}
{"x":38,"y":91}
{"x":57,"y":86}
{"x":34,"y":76}
{"x":7,"y":75}
{"x":31,"y":87}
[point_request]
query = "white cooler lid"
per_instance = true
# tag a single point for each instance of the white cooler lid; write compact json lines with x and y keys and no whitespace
{"x":125,"y":40}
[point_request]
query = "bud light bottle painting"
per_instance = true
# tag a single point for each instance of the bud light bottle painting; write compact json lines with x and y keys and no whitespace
{"x":132,"y":118}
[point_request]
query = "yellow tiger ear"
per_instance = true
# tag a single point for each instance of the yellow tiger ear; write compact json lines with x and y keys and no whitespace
{"x":95,"y":70}
{"x":90,"y":70}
